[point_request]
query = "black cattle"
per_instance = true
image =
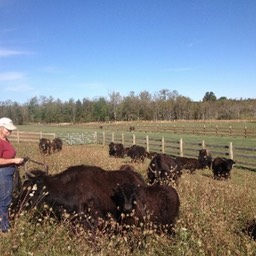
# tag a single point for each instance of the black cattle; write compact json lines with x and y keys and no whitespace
{"x":163,"y":167}
{"x":192,"y":164}
{"x":45,"y":146}
{"x":56,"y":145}
{"x":136,"y":153}
{"x":116,"y":149}
{"x":250,"y":229}
{"x":132,"y":128}
{"x":205,"y":157}
{"x":79,"y":189}
{"x":221,"y":167}
{"x":189,"y":163}
{"x":156,"y":204}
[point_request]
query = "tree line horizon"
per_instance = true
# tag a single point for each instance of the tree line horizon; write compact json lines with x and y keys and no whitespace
{"x":165,"y":105}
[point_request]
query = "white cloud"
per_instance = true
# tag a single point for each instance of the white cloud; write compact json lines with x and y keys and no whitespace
{"x":12,"y":76}
{"x":19,"y":88}
{"x":7,"y":53}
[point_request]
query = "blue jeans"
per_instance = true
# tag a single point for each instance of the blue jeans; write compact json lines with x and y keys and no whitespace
{"x":6,"y":186}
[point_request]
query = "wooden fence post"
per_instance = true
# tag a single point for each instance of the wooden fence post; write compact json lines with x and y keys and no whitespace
{"x":231,"y":150}
{"x":133,"y":139}
{"x":245,"y":131}
{"x":181,"y":147}
{"x":18,"y":136}
{"x":203,"y":143}
{"x":103,"y":138}
{"x":147,"y":143}
{"x":69,"y":139}
{"x":122,"y":138}
{"x":230,"y":130}
{"x":95,"y":137}
{"x":163,"y":149}
{"x":83,"y":137}
{"x":204,"y":130}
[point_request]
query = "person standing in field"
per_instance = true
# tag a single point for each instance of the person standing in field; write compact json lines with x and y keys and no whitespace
{"x":8,"y":163}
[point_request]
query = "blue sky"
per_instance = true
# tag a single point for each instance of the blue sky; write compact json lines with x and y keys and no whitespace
{"x":92,"y":48}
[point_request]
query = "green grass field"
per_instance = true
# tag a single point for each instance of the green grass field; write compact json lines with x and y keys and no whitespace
{"x":212,"y":215}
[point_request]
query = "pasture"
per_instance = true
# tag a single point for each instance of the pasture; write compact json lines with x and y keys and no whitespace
{"x":212,"y":215}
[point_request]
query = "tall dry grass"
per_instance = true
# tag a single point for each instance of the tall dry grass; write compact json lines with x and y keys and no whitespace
{"x":212,"y":216}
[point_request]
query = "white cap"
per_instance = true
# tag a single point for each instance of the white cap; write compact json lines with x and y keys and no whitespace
{"x":7,"y":123}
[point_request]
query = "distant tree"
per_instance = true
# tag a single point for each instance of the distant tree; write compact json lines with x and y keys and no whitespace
{"x":222,"y":98}
{"x":145,"y":106}
{"x":130,"y":107}
{"x":79,"y":111}
{"x":100,"y":110}
{"x":209,"y":96}
{"x":114,"y":105}
{"x":34,"y":110}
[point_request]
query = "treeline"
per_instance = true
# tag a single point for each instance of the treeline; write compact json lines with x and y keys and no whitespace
{"x":164,"y":105}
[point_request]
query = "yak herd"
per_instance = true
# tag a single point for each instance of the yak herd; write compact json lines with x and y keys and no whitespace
{"x":46,"y":146}
{"x":94,"y":196}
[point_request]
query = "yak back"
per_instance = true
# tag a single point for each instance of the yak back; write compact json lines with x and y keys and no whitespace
{"x":116,"y":149}
{"x":221,"y":167}
{"x":81,"y":187}
{"x":137,"y":153}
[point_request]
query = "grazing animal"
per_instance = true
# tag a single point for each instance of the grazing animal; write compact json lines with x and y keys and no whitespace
{"x":116,"y":149}
{"x":78,"y":190}
{"x":205,"y":157}
{"x":137,"y":153}
{"x":250,"y":229}
{"x":45,"y":146}
{"x":157,"y":204}
{"x":56,"y":145}
{"x":163,"y":167}
{"x":132,"y":128}
{"x":221,"y":167}
{"x":189,"y":163}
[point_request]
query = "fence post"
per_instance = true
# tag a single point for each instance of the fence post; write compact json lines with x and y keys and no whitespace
{"x":181,"y":147}
{"x":83,"y":137}
{"x":18,"y":136}
{"x":147,"y":143}
{"x":217,"y":130}
{"x":41,"y":135}
{"x":69,"y":139}
{"x":174,"y":131}
{"x":133,"y":139}
{"x":113,"y":137}
{"x":203,"y":144}
{"x":103,"y":138}
{"x":95,"y":137}
{"x":122,"y":135}
{"x":204,"y":130}
{"x":231,"y":150}
{"x":230,"y":130}
{"x":245,"y":131}
{"x":163,"y":150}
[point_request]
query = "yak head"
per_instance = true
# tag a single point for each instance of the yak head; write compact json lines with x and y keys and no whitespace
{"x":125,"y":197}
